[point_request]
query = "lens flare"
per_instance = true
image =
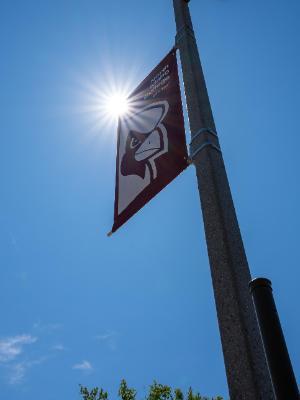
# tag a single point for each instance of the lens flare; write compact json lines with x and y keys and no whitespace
{"x":116,"y":105}
{"x":103,"y":96}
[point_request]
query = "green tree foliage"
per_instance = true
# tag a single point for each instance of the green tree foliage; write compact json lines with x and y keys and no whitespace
{"x":125,"y":392}
{"x":94,"y":394}
{"x":156,"y":392}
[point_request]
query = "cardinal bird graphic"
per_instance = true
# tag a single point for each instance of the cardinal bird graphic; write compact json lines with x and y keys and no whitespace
{"x":151,"y":146}
{"x":146,"y":141}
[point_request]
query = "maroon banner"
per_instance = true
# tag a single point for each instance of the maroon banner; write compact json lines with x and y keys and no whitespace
{"x":151,"y":148}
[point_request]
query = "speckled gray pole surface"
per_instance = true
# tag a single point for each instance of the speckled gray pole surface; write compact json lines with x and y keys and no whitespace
{"x":245,"y":362}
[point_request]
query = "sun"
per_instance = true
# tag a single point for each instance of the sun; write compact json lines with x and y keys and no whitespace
{"x":106,"y":98}
{"x":117,"y":105}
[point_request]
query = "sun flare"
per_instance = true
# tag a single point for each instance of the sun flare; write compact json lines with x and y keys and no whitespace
{"x":117,"y":105}
{"x":105,"y":98}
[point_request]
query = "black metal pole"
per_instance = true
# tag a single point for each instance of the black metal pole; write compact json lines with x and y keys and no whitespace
{"x":280,"y":367}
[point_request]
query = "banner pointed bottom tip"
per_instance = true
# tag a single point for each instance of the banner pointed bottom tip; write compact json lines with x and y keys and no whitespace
{"x":109,"y":234}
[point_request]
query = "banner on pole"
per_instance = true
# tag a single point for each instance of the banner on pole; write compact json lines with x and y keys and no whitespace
{"x":151,"y":148}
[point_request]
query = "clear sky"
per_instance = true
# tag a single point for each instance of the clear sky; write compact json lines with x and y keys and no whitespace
{"x":78,"y":307}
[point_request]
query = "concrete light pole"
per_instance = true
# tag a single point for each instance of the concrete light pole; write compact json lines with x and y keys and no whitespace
{"x":245,"y":363}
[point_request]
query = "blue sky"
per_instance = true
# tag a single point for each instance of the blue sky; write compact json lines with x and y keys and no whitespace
{"x":78,"y":307}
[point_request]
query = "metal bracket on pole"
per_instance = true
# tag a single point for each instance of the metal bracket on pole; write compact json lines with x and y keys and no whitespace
{"x":201,"y":147}
{"x":203,"y":130}
{"x":184,"y":30}
{"x":204,"y":144}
